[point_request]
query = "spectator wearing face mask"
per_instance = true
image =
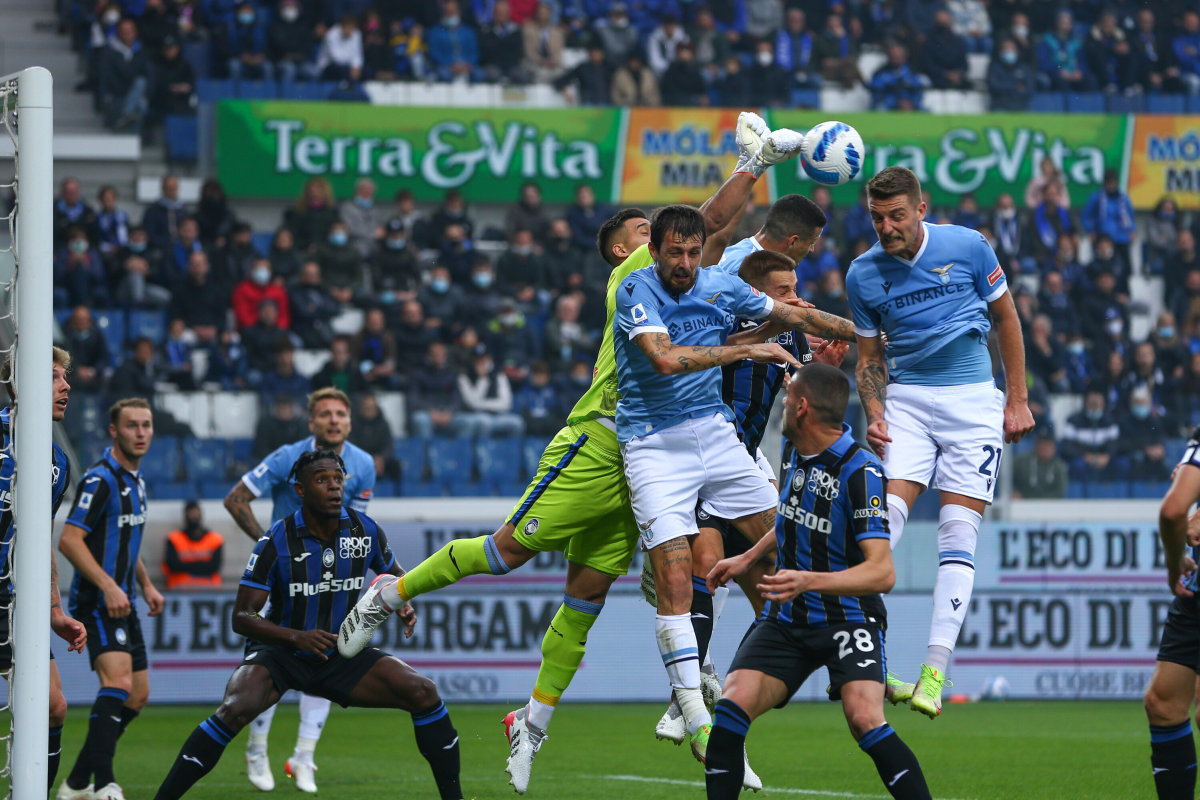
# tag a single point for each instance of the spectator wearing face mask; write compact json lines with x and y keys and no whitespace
{"x":79,"y":277}
{"x":771,"y":85}
{"x":243,"y":43}
{"x":249,"y":294}
{"x":1090,"y":441}
{"x":395,"y":276}
{"x":1144,"y":436}
{"x":363,"y":221}
{"x":341,"y":264}
{"x":481,"y":294}
{"x":290,"y":42}
{"x":1010,"y":81}
{"x":442,"y":300}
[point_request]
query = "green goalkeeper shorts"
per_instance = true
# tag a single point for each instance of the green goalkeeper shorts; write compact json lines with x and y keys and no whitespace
{"x":578,"y":502}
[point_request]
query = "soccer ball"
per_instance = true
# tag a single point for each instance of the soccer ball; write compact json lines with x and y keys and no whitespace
{"x":995,"y":688}
{"x":832,"y":153}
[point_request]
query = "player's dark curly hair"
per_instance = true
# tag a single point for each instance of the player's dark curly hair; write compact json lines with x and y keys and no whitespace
{"x":685,"y":222}
{"x":606,"y":237}
{"x":310,"y":457}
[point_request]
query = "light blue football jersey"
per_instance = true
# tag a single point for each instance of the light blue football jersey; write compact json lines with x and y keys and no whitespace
{"x":731,"y":259}
{"x":272,"y":476}
{"x":700,"y":317}
{"x":934,"y":309}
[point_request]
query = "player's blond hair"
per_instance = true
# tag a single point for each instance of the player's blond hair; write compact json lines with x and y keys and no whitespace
{"x":327,"y":393}
{"x":61,"y":359}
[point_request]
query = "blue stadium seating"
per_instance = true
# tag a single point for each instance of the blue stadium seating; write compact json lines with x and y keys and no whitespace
{"x":162,"y":459}
{"x":1147,"y":490}
{"x":112,"y":323}
{"x":1076,"y":490}
{"x":261,"y":241}
{"x":1108,"y":490}
{"x":61,"y":315}
{"x":420,"y":489}
{"x":199,"y":55}
{"x":498,"y":460}
{"x":450,"y":461}
{"x":469,"y":489}
{"x":257,"y":90}
{"x":411,"y":453}
{"x":239,"y":449}
{"x":151,"y":324}
{"x":531,"y":449}
{"x":210,"y":91}
{"x":1125,"y":104}
{"x":205,"y":459}
{"x":1166,"y":104}
{"x":297,"y":90}
{"x":1193,"y":103}
{"x":182,"y":138}
{"x":211,"y":489}
{"x":1085,"y":102}
{"x":170,"y":490}
{"x":806,"y":98}
{"x":1051,"y":102}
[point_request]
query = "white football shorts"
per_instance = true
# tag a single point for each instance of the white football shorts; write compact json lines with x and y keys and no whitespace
{"x":669,"y":471}
{"x":951,"y":437}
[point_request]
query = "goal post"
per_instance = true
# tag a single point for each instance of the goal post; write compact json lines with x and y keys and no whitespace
{"x":32,"y":132}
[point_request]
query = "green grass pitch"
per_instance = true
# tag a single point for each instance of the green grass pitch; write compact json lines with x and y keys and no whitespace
{"x":980,"y":751}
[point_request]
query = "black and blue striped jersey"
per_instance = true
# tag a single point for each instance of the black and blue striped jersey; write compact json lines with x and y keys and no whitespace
{"x":750,"y":389}
{"x":827,"y":505}
{"x":110,"y":506}
{"x":60,"y":477}
{"x":312,"y":585}
{"x":1191,"y":457}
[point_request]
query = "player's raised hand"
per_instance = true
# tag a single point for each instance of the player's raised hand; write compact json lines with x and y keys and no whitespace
{"x":877,"y":437}
{"x":409,"y":616}
{"x":69,"y":630}
{"x":771,"y":353}
{"x":784,"y":585}
{"x":116,"y":602}
{"x":316,"y":642}
{"x":1018,"y":421}
{"x":154,"y":599}
{"x":831,"y":352}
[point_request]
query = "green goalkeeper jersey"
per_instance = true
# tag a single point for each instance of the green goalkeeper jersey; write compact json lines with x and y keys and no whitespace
{"x":600,"y":400}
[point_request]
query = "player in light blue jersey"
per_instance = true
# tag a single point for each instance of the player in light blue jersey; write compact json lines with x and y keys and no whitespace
{"x":329,"y":421}
{"x":676,"y":433}
{"x":932,"y":406}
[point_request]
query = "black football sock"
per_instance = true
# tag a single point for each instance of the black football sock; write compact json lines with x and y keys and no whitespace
{"x":128,"y":715}
{"x":896,"y":764}
{"x":104,"y":727}
{"x":54,"y":754}
{"x":702,"y":616}
{"x":438,"y":742}
{"x":724,"y":765}
{"x":1173,"y":757}
{"x":199,"y":754}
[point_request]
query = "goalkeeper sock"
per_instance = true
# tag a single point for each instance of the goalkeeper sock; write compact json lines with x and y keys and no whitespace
{"x":724,"y":766}
{"x":438,"y":742}
{"x":104,"y":728}
{"x":455,"y":561}
{"x":895,"y":763}
{"x":1173,"y":758}
{"x":53,"y":755}
{"x":562,"y":652}
{"x":702,"y":615}
{"x":199,"y":754}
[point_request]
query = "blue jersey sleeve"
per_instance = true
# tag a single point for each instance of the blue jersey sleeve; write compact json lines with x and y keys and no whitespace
{"x":747,"y":301}
{"x":382,"y":559}
{"x":90,"y":502}
{"x":867,"y":497}
{"x":363,"y":487}
{"x":637,"y":310}
{"x":272,"y":471}
{"x":62,"y":479}
{"x":260,"y":568}
{"x":989,"y":275}
{"x":866,"y":319}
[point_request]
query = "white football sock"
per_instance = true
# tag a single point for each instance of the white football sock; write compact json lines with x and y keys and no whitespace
{"x":313,"y":713}
{"x":256,"y":744}
{"x":897,"y":517}
{"x":679,"y":650}
{"x":389,"y":595}
{"x":958,"y":533}
{"x":539,"y":714}
{"x":261,"y":725}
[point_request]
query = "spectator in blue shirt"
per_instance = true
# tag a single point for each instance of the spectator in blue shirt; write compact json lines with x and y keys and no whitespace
{"x":896,"y":86}
{"x":244,"y":46}
{"x":1186,"y":48}
{"x":1060,"y":58}
{"x":454,"y":47}
{"x":794,"y":49}
{"x":1110,"y":211}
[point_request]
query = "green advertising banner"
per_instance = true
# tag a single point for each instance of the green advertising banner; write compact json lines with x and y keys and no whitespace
{"x":987,"y":154}
{"x":268,"y":149}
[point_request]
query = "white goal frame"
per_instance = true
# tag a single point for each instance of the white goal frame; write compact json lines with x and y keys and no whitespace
{"x":33,"y":249}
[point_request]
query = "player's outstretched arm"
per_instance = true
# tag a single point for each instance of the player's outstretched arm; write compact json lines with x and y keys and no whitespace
{"x":814,"y":321}
{"x":237,"y":503}
{"x":1018,"y":419}
{"x":871,"y":376}
{"x":1173,"y":523}
{"x":248,"y":623}
{"x":874,"y":575}
{"x":72,"y":545}
{"x":729,"y":568}
{"x":672,"y":359}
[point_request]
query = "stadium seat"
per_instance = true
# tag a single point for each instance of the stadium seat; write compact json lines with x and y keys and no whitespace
{"x":1108,"y":490}
{"x":469,"y":489}
{"x":171,"y":490}
{"x":420,"y":489}
{"x":261,"y":241}
{"x":510,"y":488}
{"x":411,"y":453}
{"x":205,"y":459}
{"x":162,"y":459}
{"x":1125,"y":104}
{"x":450,"y":461}
{"x":1166,"y":104}
{"x":1147,"y":490}
{"x":1049,"y":102}
{"x":1076,"y":490}
{"x":112,"y":323}
{"x":239,"y":449}
{"x":210,"y":91}
{"x":182,"y":138}
{"x":1193,"y":103}
{"x":257,"y":90}
{"x":199,"y":55}
{"x":1085,"y":102}
{"x":531,"y":450}
{"x":151,"y":324}
{"x":497,"y":460}
{"x":385,"y":488}
{"x":86,"y":417}
{"x":806,"y":98}
{"x":211,"y":489}
{"x":297,"y":90}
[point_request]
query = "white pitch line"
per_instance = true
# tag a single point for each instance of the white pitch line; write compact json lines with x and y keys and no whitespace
{"x":781,"y":790}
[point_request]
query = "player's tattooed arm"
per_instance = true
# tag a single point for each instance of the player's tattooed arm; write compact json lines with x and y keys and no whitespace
{"x":672,"y":359}
{"x":814,"y":321}
{"x":237,"y":503}
{"x":872,"y":377}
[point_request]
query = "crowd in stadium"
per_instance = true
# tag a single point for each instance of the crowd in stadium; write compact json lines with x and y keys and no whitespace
{"x":145,"y":56}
